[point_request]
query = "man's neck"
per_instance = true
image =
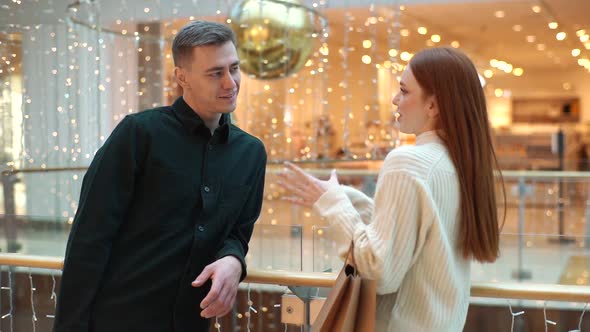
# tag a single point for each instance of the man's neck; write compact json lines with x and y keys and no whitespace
{"x":211,"y":120}
{"x":212,"y":124}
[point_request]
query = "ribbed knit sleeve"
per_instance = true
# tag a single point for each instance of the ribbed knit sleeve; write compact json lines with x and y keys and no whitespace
{"x":388,"y":244}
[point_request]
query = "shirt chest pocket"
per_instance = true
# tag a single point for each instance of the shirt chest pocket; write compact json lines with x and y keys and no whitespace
{"x":171,"y":185}
{"x":233,"y":198}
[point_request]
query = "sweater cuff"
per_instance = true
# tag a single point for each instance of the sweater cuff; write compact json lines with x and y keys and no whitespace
{"x":337,"y":208}
{"x":332,"y":197}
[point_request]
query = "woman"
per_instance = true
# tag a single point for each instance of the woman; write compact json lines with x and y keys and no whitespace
{"x":434,"y":208}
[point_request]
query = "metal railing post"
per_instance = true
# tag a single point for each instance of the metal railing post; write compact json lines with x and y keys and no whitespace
{"x":8,"y":180}
{"x":520,"y":273}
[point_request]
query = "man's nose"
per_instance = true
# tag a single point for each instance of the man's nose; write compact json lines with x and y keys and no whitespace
{"x":228,"y":81}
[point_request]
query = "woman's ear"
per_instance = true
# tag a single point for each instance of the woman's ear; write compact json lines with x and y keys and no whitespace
{"x":432,"y":107}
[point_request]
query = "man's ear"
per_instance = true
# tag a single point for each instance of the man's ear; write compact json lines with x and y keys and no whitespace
{"x":180,"y":74}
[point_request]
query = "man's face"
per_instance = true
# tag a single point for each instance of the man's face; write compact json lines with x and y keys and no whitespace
{"x":211,"y":79}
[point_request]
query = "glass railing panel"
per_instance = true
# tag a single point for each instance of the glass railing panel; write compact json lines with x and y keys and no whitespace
{"x":326,"y":249}
{"x":276,"y":247}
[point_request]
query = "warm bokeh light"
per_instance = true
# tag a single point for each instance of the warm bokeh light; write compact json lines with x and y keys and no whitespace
{"x":576,"y":52}
{"x":518,"y":71}
{"x":560,"y":35}
{"x":406,"y":56}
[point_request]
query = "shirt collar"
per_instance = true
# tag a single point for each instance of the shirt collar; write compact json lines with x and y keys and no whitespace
{"x":428,"y":137}
{"x":193,"y":122}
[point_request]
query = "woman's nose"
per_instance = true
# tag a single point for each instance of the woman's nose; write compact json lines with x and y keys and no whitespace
{"x":395,"y":99}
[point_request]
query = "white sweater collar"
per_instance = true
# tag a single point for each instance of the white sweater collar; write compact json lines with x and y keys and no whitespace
{"x":428,"y":137}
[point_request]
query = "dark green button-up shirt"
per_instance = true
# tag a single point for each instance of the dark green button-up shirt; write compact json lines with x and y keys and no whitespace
{"x":162,"y":199}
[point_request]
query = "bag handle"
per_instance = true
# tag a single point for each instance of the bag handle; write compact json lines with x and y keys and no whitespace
{"x":350,"y":257}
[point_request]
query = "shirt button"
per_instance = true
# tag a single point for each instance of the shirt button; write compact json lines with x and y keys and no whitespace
{"x":206,"y":189}
{"x":201,"y":228}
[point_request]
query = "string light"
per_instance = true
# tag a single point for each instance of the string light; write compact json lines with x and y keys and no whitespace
{"x":547,"y":321}
{"x":10,"y":313}
{"x":513,"y":315}
{"x":33,"y":313}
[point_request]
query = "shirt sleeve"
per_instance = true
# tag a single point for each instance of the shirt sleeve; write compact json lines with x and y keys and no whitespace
{"x":106,"y":192}
{"x":386,"y":246}
{"x":236,"y":244}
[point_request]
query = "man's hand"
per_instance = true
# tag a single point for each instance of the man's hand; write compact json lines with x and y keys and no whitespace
{"x":225,"y":276}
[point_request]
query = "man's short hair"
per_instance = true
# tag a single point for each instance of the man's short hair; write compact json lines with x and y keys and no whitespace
{"x":199,"y":33}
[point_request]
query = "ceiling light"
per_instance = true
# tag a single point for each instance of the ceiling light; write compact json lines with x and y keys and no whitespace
{"x":587,"y":45}
{"x":422,"y":30}
{"x":499,"y":14}
{"x":580,"y":32}
{"x":455,"y":44}
{"x":404,"y":32}
{"x":435,"y":38}
{"x":518,"y":71}
{"x":517,"y":28}
{"x":494,"y":63}
{"x":498,"y":92}
{"x":567,"y":86}
{"x":553,"y":25}
{"x":488,"y":73}
{"x":530,"y":38}
{"x":560,"y":35}
{"x":366,"y":59}
{"x":393,"y":52}
{"x":536,"y":9}
{"x":584,"y":38}
{"x":576,"y":52}
{"x":541,"y":47}
{"x":367,"y":43}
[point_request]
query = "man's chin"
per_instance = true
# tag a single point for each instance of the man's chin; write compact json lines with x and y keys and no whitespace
{"x":226,"y":110}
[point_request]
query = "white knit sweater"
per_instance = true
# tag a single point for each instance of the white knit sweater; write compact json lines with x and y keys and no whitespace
{"x":406,"y":238}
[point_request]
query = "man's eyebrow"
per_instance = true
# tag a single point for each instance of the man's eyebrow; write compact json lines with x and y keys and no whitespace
{"x":218,"y":68}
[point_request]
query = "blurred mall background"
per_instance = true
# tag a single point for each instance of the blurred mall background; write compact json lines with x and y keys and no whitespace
{"x":317,"y":82}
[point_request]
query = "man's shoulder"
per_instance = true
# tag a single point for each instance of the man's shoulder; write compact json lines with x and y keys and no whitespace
{"x":152,"y":114}
{"x":244,"y":137}
{"x":153,"y":119}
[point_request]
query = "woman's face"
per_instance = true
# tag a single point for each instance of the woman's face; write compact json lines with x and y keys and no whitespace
{"x":416,"y":111}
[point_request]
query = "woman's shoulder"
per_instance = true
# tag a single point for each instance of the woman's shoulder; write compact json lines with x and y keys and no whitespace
{"x":415,"y":159}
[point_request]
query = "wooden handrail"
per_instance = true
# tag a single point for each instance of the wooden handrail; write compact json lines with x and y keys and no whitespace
{"x":500,"y":290}
{"x":507,"y":174}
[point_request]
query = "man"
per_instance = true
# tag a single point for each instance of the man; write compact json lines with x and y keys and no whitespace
{"x":168,"y":205}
